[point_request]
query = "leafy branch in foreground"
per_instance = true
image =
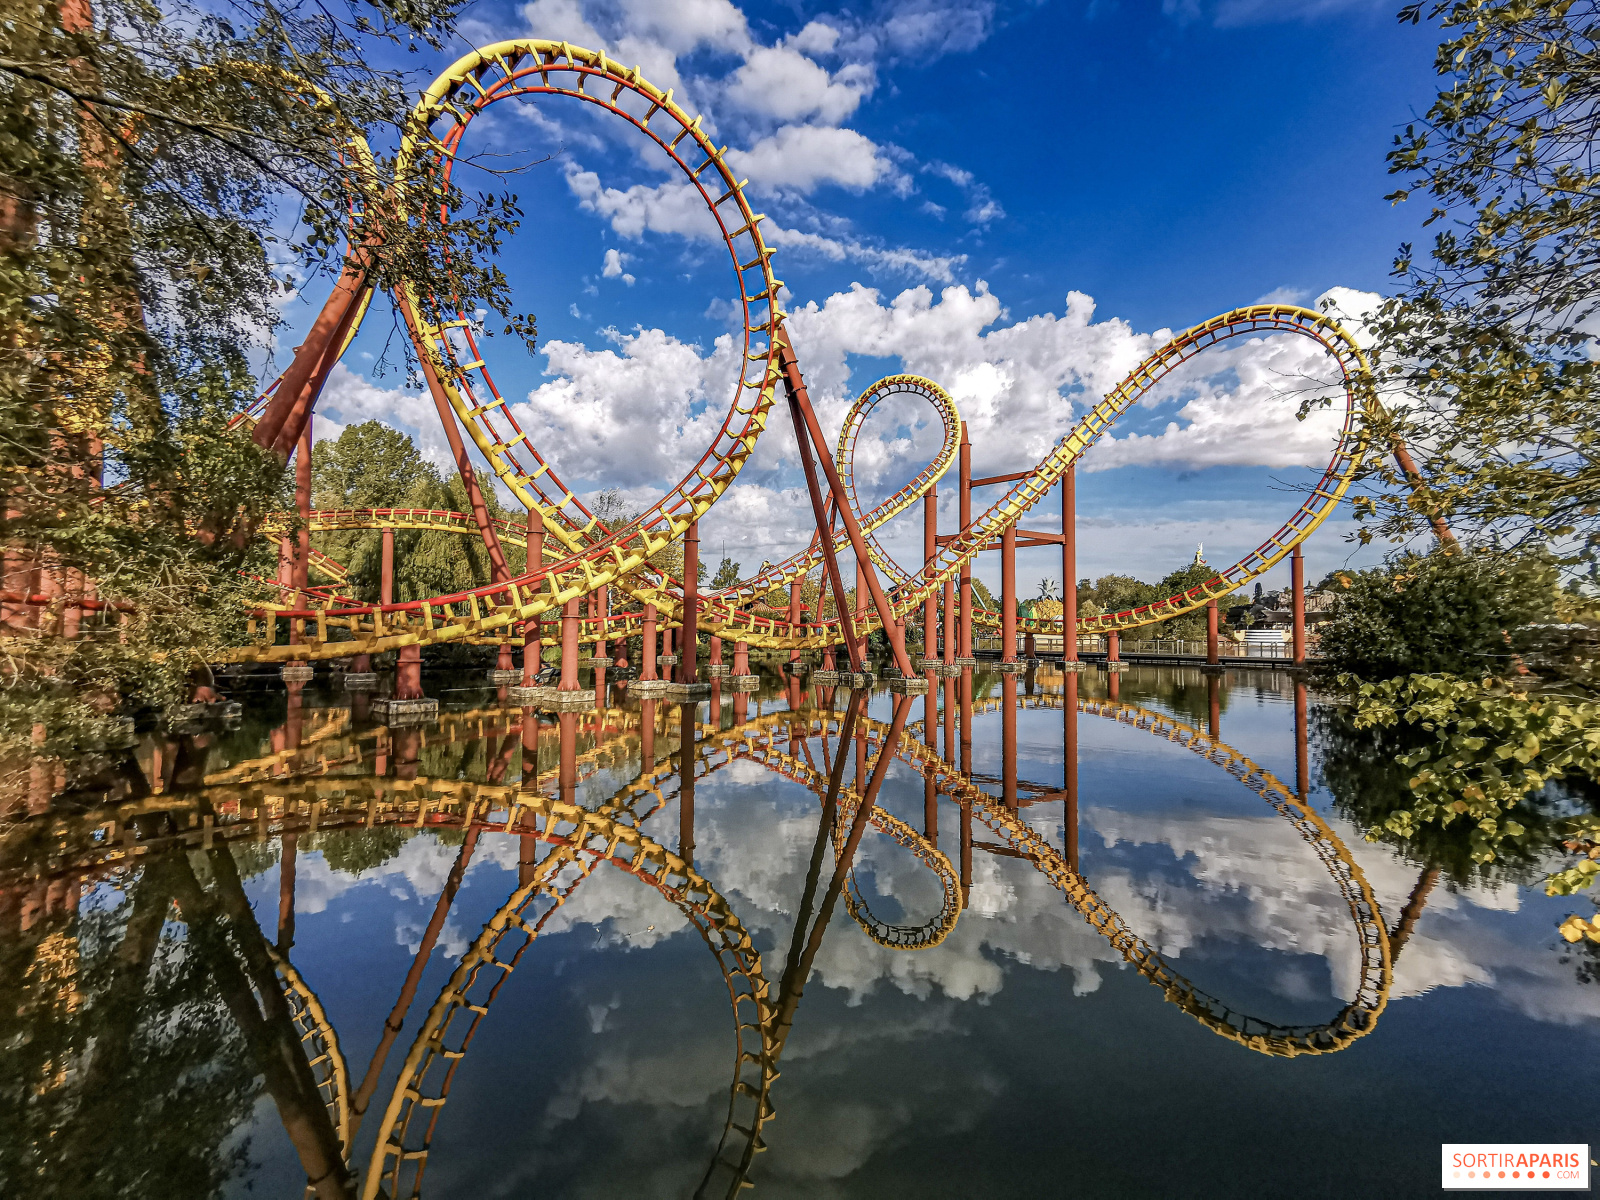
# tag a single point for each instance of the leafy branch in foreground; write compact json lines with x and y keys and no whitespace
{"x":1485,"y":356}
{"x":1493,"y":746}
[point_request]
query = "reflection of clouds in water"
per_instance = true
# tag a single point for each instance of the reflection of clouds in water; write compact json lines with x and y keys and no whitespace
{"x":417,"y":872}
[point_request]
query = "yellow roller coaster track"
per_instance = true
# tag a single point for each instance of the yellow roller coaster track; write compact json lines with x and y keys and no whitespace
{"x":595,"y":555}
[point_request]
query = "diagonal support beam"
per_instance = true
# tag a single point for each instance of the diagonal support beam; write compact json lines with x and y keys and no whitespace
{"x":800,"y":403}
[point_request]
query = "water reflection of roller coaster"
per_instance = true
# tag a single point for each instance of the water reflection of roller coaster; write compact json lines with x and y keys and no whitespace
{"x":274,"y":795}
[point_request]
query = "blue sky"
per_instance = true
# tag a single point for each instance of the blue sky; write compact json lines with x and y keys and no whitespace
{"x":1018,"y":199}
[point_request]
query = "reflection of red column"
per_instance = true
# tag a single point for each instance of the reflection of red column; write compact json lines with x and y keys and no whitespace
{"x":965,"y":482}
{"x":1302,"y":749}
{"x":530,"y":748}
{"x":1008,"y":594}
{"x":716,"y":702}
{"x":966,"y":853}
{"x":794,"y":693}
{"x":647,"y":734}
{"x":686,"y":733}
{"x":1297,"y":575}
{"x":1212,"y":655}
{"x":1214,"y":701}
{"x":1114,"y":686}
{"x":407,"y":752}
{"x":286,"y":865}
{"x":688,"y":665}
{"x":567,"y":768}
{"x":530,"y":629}
{"x":647,"y":648}
{"x":741,"y":708}
{"x":950,"y":719}
{"x":1069,"y":565}
{"x":930,"y":794}
{"x":1069,"y":780}
{"x":966,"y":721}
{"x":930,"y":551}
{"x":1008,"y":740}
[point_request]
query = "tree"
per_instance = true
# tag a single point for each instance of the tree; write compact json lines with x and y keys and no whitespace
{"x":1485,"y":356}
{"x":165,"y":173}
{"x":1445,"y":612}
{"x":728,"y":574}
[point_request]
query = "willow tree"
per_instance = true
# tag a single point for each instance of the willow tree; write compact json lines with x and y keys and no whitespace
{"x":169,"y":175}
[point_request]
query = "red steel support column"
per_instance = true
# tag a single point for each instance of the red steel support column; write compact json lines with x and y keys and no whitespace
{"x":806,"y":422}
{"x":1297,"y":575}
{"x":741,"y":658}
{"x":1112,"y":641}
{"x":647,"y":648}
{"x":531,"y":648}
{"x":688,"y":666}
{"x":1069,"y":565}
{"x":302,"y":504}
{"x":1008,"y":594}
{"x":570,"y":620}
{"x":715,"y":660}
{"x":794,"y":613}
{"x":408,"y":671}
{"x":930,"y":550}
{"x":1212,"y":655}
{"x":965,"y":483}
{"x":949,"y":622}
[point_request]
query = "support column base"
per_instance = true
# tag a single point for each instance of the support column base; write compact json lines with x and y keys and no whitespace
{"x":686,"y":691}
{"x":1075,"y":666}
{"x":909,"y":685}
{"x":825,"y":677}
{"x":526,"y":697}
{"x":1116,"y":666}
{"x":554,"y":700}
{"x":858,"y":679}
{"x":599,"y":660}
{"x":667,"y":660}
{"x":1013,"y":667}
{"x":504,"y":678}
{"x":360,"y":681}
{"x":405,"y":712}
{"x":1213,"y":669}
{"x":966,"y":661}
{"x":745,"y":683}
{"x":797,"y":666}
{"x":297,"y":672}
{"x":718,"y":671}
{"x":220,"y":710}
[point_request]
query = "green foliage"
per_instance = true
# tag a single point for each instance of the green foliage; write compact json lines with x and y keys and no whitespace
{"x":353,"y":851}
{"x":728,"y":574}
{"x":1459,"y":612}
{"x":1489,"y":749}
{"x":373,"y":466}
{"x":1485,"y":358}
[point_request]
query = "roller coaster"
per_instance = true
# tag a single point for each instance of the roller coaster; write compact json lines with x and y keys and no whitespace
{"x":572,"y":555}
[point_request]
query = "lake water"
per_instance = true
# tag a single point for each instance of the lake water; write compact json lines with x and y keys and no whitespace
{"x":869,"y":945}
